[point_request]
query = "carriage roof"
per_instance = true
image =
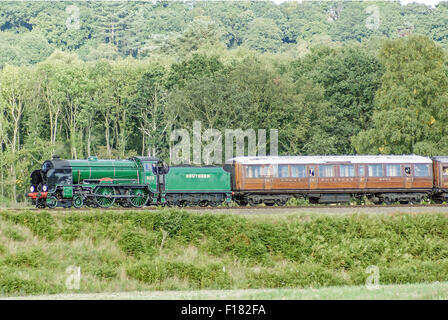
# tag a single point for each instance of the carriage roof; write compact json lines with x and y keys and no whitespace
{"x":352,"y":159}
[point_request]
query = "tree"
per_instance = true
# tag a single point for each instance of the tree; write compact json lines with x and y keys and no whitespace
{"x":34,"y":47}
{"x":246,"y":94}
{"x":349,"y":77}
{"x":411,"y":114}
{"x":150,"y":112}
{"x":70,"y":89}
{"x":123,"y":78}
{"x":52,"y":23}
{"x":15,"y":93}
{"x":197,"y":66}
{"x":202,"y":32}
{"x":263,"y":35}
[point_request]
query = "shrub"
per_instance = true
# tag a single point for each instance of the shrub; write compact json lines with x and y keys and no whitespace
{"x":136,"y":243}
{"x":298,"y":202}
{"x":32,"y":258}
{"x":14,"y":234}
{"x":10,"y":284}
{"x":199,"y":277}
{"x":41,"y":223}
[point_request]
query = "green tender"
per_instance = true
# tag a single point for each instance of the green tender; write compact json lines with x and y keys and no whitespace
{"x":197,"y":179}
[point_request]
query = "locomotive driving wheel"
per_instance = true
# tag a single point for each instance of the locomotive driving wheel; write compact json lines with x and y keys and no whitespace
{"x":139,"y":197}
{"x":105,"y":197}
{"x":52,"y":202}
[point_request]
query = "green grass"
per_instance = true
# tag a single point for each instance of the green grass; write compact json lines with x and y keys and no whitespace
{"x":172,"y":249}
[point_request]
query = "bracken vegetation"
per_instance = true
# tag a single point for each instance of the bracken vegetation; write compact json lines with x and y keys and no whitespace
{"x":174,"y":250}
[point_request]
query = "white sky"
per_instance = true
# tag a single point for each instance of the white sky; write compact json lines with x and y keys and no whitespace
{"x":431,"y":3}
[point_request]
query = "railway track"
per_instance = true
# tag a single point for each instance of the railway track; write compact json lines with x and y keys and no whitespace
{"x":242,"y":209}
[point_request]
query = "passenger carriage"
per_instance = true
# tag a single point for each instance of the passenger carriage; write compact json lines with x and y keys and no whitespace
{"x":328,"y":179}
{"x":440,"y":171}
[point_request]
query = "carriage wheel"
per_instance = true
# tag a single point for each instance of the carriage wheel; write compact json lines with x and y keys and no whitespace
{"x":416,"y":200}
{"x":280,"y":202}
{"x":183,"y":203}
{"x":77,"y":202}
{"x":203,"y":203}
{"x":140,"y":197}
{"x":105,"y":201}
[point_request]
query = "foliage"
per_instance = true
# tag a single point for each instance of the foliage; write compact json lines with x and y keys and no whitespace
{"x":122,"y":28}
{"x":118,"y":85}
{"x":411,"y":104}
{"x":123,"y":251}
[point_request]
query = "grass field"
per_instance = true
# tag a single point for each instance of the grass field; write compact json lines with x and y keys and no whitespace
{"x":169,"y":250}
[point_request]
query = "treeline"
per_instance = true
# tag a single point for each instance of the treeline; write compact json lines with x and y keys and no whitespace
{"x":30,"y":31}
{"x":344,"y":100}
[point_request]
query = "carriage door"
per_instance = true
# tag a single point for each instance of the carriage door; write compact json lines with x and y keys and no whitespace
{"x":312,"y":172}
{"x":267,"y":173}
{"x":444,"y":175}
{"x":362,"y":176}
{"x":408,"y":176}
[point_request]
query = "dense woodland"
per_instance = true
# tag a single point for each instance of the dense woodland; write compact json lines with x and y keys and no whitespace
{"x":132,"y":72}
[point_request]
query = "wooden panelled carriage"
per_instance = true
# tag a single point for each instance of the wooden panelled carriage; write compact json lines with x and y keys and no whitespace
{"x":440,"y":171}
{"x":328,"y":179}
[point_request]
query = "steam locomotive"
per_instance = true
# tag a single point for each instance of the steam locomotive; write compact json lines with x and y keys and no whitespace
{"x":134,"y":182}
{"x":142,"y":181}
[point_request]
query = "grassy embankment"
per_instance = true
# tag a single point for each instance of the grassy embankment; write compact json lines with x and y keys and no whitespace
{"x":174,"y":250}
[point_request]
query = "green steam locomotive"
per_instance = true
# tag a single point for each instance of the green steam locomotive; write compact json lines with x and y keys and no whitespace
{"x":134,"y":182}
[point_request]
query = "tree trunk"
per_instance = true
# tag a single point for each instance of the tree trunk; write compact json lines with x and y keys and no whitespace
{"x":14,"y":188}
{"x":143,"y":144}
{"x":2,"y":190}
{"x":108,"y":137}
{"x":89,"y":138}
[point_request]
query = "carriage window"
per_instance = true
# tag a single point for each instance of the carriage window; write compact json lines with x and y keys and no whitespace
{"x":266,"y":171}
{"x":421,"y":170}
{"x":326,"y":171}
{"x":361,"y":171}
{"x":283,"y":171}
{"x":375,"y":170}
{"x":393,"y":170}
{"x":445,"y":171}
{"x":298,"y":171}
{"x":347,"y":170}
{"x":253,"y":171}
